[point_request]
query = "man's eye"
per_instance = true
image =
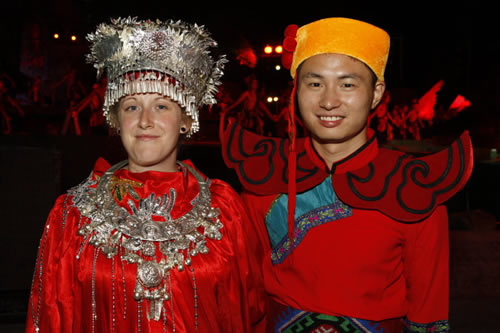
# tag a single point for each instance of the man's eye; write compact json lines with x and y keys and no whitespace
{"x":314,"y":84}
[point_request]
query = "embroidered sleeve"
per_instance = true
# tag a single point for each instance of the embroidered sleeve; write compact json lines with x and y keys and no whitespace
{"x":440,"y":326}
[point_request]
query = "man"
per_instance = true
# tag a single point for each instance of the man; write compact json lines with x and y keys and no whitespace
{"x":353,"y":236}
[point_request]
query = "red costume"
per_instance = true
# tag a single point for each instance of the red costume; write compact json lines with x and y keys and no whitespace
{"x":86,"y":284}
{"x":370,"y":240}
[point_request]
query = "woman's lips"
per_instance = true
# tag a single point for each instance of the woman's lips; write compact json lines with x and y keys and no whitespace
{"x":146,"y":137}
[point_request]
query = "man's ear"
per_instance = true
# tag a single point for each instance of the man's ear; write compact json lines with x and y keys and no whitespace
{"x":378,"y":93}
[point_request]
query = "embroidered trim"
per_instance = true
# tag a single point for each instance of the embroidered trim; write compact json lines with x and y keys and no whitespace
{"x":284,"y":172}
{"x":121,"y":187}
{"x":35,"y":313}
{"x":263,"y":145}
{"x":423,"y":170}
{"x":292,"y":320}
{"x":357,"y":152}
{"x":271,"y":207}
{"x":271,"y":148}
{"x":336,"y":211}
{"x":440,"y":326}
{"x":408,"y":168}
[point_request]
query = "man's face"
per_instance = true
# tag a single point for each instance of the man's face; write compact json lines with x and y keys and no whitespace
{"x":335,"y":95}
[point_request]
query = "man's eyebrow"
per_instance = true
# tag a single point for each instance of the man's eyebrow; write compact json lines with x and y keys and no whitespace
{"x":349,"y":76}
{"x":312,"y":75}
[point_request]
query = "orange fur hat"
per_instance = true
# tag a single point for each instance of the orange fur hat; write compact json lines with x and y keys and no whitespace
{"x":354,"y":38}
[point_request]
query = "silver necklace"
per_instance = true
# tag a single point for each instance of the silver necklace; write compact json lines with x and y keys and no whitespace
{"x":136,"y":237}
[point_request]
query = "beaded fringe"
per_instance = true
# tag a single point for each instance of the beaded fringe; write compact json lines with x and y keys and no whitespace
{"x":151,"y":82}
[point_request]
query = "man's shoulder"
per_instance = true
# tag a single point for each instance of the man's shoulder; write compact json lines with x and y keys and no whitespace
{"x":261,"y":163}
{"x":405,"y":187}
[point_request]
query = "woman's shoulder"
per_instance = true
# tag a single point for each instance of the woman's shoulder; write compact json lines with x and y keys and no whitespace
{"x":79,"y":195}
{"x":100,"y":166}
{"x":216,"y":185}
{"x":220,"y":190}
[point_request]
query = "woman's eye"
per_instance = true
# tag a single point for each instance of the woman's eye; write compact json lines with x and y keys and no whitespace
{"x":162,"y":107}
{"x":131,"y":108}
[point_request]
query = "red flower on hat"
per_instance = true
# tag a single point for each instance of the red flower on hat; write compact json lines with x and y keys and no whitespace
{"x":289,"y":45}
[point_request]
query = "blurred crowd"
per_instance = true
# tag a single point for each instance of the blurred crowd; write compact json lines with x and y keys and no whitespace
{"x":70,"y":106}
{"x":53,"y":92}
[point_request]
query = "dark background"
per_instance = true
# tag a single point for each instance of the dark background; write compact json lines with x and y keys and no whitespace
{"x":431,"y":40}
{"x":456,"y":42}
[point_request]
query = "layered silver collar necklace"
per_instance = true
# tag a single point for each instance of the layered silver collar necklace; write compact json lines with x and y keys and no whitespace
{"x":156,"y":247}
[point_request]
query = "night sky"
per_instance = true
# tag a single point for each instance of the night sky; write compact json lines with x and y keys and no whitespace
{"x":430,"y":41}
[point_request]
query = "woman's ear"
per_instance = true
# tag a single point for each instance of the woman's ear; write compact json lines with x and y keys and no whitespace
{"x":186,"y":123}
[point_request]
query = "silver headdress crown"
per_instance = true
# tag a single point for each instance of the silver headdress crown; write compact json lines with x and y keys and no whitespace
{"x":169,"y":58}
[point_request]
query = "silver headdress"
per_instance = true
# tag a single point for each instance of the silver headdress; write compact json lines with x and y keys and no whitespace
{"x":169,"y":58}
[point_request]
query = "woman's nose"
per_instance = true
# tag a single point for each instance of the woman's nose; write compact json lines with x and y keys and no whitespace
{"x":146,"y":120}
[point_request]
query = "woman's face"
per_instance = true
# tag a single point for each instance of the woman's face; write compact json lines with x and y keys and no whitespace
{"x":149,"y":128}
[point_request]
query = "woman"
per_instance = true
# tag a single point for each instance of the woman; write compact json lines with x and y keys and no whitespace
{"x":149,"y":244}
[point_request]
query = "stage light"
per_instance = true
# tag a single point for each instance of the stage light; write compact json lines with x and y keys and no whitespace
{"x":275,"y":99}
{"x":278,"y":49}
{"x":73,"y":38}
{"x":268,"y":49}
{"x":269,"y":99}
{"x":56,"y":36}
{"x":278,"y":67}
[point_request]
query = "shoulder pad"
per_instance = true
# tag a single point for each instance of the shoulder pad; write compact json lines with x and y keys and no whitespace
{"x":262,"y":162}
{"x":407,"y":188}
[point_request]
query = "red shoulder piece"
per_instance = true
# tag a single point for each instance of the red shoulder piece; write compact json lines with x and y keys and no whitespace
{"x":262,"y":162}
{"x":406,"y":188}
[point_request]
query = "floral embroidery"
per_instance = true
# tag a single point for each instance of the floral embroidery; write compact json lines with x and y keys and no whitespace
{"x":293,"y":320}
{"x":120,"y":187}
{"x":336,"y":211}
{"x":440,"y":326}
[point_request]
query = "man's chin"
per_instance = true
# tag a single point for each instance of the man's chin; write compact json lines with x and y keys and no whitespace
{"x":332,"y":139}
{"x":336,"y":139}
{"x":325,"y":141}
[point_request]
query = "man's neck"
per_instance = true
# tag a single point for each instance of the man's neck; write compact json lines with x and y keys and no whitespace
{"x":334,"y":152}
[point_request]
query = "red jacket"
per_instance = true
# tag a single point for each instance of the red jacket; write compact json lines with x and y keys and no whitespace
{"x":375,"y":246}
